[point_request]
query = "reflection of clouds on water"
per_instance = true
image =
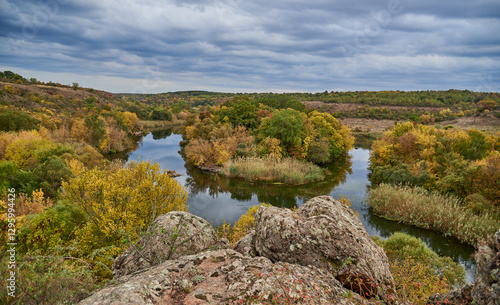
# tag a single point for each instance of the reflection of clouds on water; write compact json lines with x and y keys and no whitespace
{"x":199,"y":202}
{"x":218,"y":208}
{"x":163,"y":151}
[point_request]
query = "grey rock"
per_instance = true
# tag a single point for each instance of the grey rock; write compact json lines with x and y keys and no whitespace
{"x":241,"y":280}
{"x":486,"y":288}
{"x":326,"y":234}
{"x":246,"y":245}
{"x":170,"y":236}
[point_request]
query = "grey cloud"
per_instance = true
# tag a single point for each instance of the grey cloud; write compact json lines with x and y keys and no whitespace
{"x":259,"y":45}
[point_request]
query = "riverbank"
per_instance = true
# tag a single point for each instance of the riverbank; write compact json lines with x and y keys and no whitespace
{"x":433,"y":211}
{"x":287,"y":170}
{"x":217,"y":198}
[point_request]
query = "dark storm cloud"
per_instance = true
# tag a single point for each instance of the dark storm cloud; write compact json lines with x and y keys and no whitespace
{"x":257,"y":45}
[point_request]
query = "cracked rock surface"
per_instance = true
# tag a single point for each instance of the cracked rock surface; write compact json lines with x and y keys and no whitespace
{"x":320,"y":254}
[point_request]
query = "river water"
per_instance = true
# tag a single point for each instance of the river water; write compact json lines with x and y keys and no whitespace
{"x":218,"y":199}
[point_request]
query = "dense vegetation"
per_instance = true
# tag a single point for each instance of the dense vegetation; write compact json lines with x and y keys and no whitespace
{"x":419,"y":106}
{"x":434,"y":211}
{"x":75,"y":211}
{"x":464,"y":165}
{"x":247,"y":129}
{"x":418,"y":271}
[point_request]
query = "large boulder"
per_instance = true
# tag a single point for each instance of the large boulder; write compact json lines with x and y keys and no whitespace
{"x":327,"y":234}
{"x":170,"y":236}
{"x":224,"y":277}
{"x":319,"y":255}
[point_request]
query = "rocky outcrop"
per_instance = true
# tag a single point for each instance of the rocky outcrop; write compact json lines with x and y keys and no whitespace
{"x":486,"y":288}
{"x":487,"y":285}
{"x":320,"y":254}
{"x":225,"y":277}
{"x":170,"y":236}
{"x":326,"y":234}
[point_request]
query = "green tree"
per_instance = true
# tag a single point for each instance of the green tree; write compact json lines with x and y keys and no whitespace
{"x":161,"y":115}
{"x":287,"y":126}
{"x":16,"y":121}
{"x":97,"y":129}
{"x":282,"y":101}
{"x":7,"y":171}
{"x":244,"y":113}
{"x":180,"y":105}
{"x":52,"y":172}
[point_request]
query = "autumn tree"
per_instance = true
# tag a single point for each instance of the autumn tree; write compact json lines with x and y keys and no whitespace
{"x":328,"y":128}
{"x":452,"y":160}
{"x":122,"y":202}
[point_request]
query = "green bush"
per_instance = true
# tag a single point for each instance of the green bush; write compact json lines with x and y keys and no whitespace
{"x":418,"y":272}
{"x":401,"y":245}
{"x":54,"y":226}
{"x":15,"y":121}
{"x":399,"y":174}
{"x":52,"y":173}
{"x":161,"y":115}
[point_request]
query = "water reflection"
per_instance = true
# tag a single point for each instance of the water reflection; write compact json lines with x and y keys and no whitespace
{"x":214,"y":185}
{"x":161,"y":134}
{"x":217,"y":198}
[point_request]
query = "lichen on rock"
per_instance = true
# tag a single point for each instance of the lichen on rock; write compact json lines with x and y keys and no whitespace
{"x":170,"y":236}
{"x":327,"y":234}
{"x":320,"y":254}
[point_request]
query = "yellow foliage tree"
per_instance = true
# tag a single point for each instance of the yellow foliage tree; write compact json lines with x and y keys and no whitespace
{"x":129,"y":119}
{"x":121,"y":203}
{"x":23,"y":150}
{"x":273,"y":147}
{"x":79,"y":131}
{"x":338,"y":135}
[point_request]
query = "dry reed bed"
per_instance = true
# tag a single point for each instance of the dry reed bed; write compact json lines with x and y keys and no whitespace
{"x":289,"y":171}
{"x":433,"y":211}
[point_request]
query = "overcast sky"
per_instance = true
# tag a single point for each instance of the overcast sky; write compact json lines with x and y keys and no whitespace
{"x":254,"y":45}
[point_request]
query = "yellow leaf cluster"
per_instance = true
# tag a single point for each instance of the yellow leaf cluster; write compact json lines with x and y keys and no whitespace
{"x":123,"y":202}
{"x":415,"y":282}
{"x":273,"y":147}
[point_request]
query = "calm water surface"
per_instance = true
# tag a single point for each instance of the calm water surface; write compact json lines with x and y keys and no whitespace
{"x":217,"y":198}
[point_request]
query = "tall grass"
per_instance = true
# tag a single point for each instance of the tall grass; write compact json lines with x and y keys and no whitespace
{"x":290,"y":171}
{"x":430,"y":210}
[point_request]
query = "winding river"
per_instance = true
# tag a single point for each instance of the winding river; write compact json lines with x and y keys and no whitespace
{"x":217,"y":198}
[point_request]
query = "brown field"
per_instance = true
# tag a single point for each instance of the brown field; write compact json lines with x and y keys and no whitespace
{"x":483,"y":122}
{"x":347,"y":107}
{"x":488,"y":122}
